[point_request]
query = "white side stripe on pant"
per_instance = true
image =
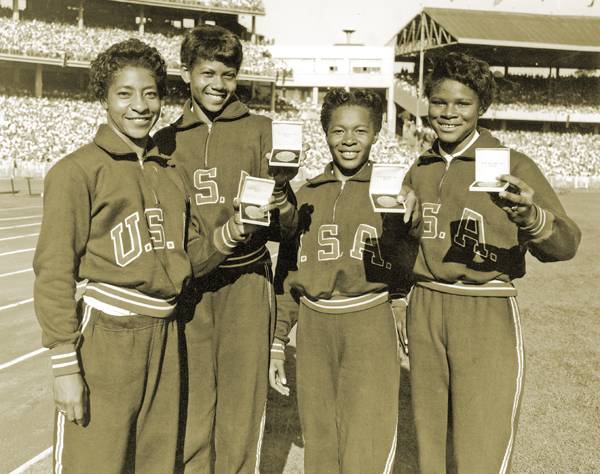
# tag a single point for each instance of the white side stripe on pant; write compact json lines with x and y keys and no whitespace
{"x":60,"y":443}
{"x":519,"y":388}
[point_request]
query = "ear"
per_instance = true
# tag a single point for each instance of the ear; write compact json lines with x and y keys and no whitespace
{"x":375,"y":138}
{"x":104,"y":104}
{"x":185,"y":73}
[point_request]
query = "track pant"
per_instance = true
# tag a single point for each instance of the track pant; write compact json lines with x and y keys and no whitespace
{"x":348,"y":378}
{"x":228,"y":343}
{"x":466,"y":356}
{"x":131,"y":367}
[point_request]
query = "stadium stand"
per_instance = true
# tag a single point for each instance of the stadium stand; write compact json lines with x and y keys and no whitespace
{"x":34,"y":38}
{"x":34,"y":133}
{"x":567,"y":94}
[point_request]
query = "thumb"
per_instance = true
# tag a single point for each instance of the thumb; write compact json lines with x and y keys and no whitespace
{"x":282,"y":374}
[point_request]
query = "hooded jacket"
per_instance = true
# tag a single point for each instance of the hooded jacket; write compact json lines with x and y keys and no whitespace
{"x":346,"y":257}
{"x":469,"y":245}
{"x":120,"y":223}
{"x":213,"y":157}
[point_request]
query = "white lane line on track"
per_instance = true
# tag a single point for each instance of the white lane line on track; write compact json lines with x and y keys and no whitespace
{"x":22,"y":358}
{"x":18,"y":303}
{"x":33,"y":461}
{"x":18,"y":218}
{"x":29,"y":300}
{"x":16,"y":273}
{"x":20,"y":208}
{"x":19,"y":226}
{"x":16,"y":251}
{"x":19,"y":236}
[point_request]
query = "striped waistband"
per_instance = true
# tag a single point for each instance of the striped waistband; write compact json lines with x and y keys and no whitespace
{"x":243,"y":260}
{"x":131,"y":300}
{"x":345,"y":304}
{"x":495,"y":288}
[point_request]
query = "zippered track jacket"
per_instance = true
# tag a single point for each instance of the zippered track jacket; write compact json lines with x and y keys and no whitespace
{"x":469,"y":246}
{"x":346,"y":257}
{"x":213,"y":157}
{"x":121,"y":224}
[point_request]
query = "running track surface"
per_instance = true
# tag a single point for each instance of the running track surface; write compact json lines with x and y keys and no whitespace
{"x":26,"y":403}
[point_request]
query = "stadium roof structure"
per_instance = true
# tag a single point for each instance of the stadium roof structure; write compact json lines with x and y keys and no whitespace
{"x":180,"y":5}
{"x":503,"y":38}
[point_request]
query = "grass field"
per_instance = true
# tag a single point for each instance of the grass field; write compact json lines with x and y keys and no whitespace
{"x":559,"y":431}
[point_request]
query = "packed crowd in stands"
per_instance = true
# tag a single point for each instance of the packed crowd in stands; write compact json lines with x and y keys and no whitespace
{"x":525,"y":93}
{"x":248,"y":5}
{"x":44,"y":130}
{"x":57,"y":40}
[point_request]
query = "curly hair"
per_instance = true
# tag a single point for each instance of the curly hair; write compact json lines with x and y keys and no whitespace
{"x":211,"y":43}
{"x":339,"y":97}
{"x":119,"y":56}
{"x":472,"y":72}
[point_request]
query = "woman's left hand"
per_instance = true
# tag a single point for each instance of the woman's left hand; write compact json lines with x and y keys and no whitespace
{"x":516,"y":201}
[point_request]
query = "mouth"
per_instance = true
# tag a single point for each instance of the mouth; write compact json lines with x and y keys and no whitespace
{"x":349,"y":155}
{"x":140,"y":120}
{"x":215,"y":97}
{"x":448,"y":127}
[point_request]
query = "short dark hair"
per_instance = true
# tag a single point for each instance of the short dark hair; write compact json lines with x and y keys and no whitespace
{"x":339,"y":97}
{"x":211,"y":43}
{"x":119,"y":56}
{"x":472,"y":72}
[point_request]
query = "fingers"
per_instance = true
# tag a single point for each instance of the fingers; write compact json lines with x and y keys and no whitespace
{"x":403,"y":339}
{"x":71,"y":398}
{"x":411,"y":203}
{"x":277,"y":377}
{"x":516,"y":201}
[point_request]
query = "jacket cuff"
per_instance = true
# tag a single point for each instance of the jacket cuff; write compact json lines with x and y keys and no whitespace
{"x":281,"y":198}
{"x":541,"y":227}
{"x":227,"y":237}
{"x":278,"y":350}
{"x":64,"y":360}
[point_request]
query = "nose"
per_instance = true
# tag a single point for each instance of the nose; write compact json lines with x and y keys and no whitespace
{"x":348,"y":138}
{"x":448,"y":110}
{"x":139,"y":103}
{"x":217,"y":82}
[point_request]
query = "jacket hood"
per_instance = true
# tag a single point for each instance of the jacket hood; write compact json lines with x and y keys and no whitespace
{"x":328,"y":175}
{"x":116,"y":147}
{"x":233,"y":110}
{"x":485,"y":140}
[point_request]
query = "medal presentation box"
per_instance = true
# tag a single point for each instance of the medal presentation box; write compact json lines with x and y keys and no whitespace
{"x":489,"y":164}
{"x":287,"y":144}
{"x":386,"y":183}
{"x":255,"y":193}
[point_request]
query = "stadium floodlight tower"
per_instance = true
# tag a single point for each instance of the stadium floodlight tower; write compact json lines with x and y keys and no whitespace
{"x":348,"y":35}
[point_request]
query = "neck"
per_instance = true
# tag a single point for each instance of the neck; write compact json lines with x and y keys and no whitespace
{"x":344,"y":175}
{"x":137,"y":145}
{"x":203,"y":114}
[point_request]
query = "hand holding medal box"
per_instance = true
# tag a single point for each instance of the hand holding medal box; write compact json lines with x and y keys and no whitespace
{"x":386,"y":183}
{"x":287,"y":144}
{"x":489,"y":164}
{"x":255,"y":194}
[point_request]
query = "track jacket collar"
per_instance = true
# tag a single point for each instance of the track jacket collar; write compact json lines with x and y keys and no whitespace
{"x":485,"y":140}
{"x":114,"y":145}
{"x":233,"y":110}
{"x":328,"y":176}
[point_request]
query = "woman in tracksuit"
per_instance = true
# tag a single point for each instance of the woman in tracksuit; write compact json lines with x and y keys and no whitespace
{"x":464,"y":328}
{"x":116,"y":216}
{"x":346,"y":270}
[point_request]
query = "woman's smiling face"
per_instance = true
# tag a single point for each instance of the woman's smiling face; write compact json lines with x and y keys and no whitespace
{"x":454,"y":110}
{"x":350,"y":135}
